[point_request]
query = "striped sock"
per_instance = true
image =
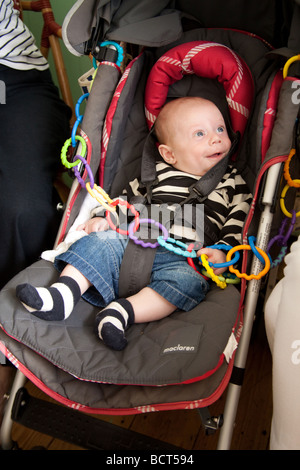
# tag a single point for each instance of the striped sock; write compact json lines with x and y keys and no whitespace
{"x":53,"y":303}
{"x":112,"y":322}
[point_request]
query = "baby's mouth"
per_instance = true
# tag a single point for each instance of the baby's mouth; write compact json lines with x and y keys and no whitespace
{"x":215,"y":155}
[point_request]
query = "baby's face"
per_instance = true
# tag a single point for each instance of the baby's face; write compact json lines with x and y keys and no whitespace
{"x":198,"y":137}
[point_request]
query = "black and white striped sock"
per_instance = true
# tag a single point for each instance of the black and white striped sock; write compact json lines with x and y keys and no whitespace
{"x":112,"y":322}
{"x":52,"y":303}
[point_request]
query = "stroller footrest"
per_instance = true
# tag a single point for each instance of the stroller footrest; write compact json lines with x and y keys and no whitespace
{"x":78,"y":428}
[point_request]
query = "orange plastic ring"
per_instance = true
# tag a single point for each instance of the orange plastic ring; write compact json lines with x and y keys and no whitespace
{"x":244,"y":275}
{"x":286,"y":171}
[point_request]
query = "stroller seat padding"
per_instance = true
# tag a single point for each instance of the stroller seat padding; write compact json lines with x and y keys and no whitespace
{"x":183,"y":348}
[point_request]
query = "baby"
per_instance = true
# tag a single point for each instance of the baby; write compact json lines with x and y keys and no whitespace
{"x":192,"y":138}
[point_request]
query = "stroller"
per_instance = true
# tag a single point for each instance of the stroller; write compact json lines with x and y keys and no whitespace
{"x":183,"y":361}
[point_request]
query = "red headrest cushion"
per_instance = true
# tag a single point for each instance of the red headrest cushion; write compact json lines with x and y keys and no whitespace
{"x":205,"y":59}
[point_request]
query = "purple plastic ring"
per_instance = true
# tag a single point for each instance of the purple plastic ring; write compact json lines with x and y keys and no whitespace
{"x":141,"y":242}
{"x":89,"y":171}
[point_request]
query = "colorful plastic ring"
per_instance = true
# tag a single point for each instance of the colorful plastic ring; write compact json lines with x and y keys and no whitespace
{"x":286,"y":171}
{"x":77,"y":106}
{"x":65,"y":148}
{"x":178,"y":247}
{"x":88,"y":169}
{"x":74,"y":131}
{"x":227,"y":263}
{"x":103,"y":194}
{"x":282,"y":204}
{"x":209,"y":270}
{"x":119,"y":49}
{"x":288,"y":63}
{"x":141,"y":242}
{"x":244,"y":275}
{"x":251,"y":241}
{"x":226,"y":277}
{"x":133,"y":211}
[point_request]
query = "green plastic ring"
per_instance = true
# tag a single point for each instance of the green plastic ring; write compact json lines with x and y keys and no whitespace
{"x":65,"y":148}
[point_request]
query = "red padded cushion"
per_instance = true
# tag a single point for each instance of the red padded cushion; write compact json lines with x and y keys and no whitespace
{"x":205,"y":59}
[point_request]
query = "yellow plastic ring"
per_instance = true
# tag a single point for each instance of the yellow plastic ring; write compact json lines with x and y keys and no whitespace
{"x":244,"y":275}
{"x":102,"y":193}
{"x":282,"y":203}
{"x":288,"y":63}
{"x":210,"y":271}
{"x":286,"y":171}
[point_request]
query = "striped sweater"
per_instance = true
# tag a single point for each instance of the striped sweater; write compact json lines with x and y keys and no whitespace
{"x":224,"y":211}
{"x":17,"y":45}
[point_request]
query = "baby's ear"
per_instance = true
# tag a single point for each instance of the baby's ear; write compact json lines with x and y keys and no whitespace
{"x":167,"y":154}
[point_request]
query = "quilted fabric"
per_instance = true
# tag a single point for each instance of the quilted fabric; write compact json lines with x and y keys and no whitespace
{"x":183,"y":348}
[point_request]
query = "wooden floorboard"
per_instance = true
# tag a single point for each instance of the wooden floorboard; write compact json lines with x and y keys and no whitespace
{"x":183,"y":428}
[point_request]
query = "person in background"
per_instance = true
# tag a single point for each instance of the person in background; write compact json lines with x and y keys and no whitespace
{"x":34,"y":124}
{"x":282,"y":322}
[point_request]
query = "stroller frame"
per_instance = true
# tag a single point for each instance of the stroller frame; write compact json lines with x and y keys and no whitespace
{"x":271,"y":171}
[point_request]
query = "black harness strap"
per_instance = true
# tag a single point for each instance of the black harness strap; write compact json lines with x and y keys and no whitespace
{"x":135,"y":269}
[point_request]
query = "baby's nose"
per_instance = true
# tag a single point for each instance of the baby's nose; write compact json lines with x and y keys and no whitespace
{"x":215,"y":138}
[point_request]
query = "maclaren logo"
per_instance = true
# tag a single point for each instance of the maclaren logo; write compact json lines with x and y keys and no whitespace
{"x":179,"y":348}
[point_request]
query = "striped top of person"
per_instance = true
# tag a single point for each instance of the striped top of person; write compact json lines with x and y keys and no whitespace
{"x":17,"y":44}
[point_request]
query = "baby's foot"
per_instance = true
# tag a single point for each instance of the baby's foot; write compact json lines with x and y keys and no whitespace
{"x":54,"y":303}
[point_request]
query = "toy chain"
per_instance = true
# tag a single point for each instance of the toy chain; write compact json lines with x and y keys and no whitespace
{"x":164,"y":240}
{"x":281,"y":238}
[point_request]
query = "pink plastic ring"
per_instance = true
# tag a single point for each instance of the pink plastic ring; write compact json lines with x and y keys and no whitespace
{"x":133,"y":211}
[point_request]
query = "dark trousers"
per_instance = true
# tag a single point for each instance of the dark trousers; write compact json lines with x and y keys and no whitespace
{"x":34,"y":124}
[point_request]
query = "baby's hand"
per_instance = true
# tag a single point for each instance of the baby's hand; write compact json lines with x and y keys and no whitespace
{"x":214,"y":256}
{"x":97,"y":224}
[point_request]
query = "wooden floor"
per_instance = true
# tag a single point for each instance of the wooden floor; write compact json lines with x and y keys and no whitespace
{"x":183,"y":428}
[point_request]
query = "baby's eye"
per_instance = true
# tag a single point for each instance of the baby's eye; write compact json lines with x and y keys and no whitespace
{"x":199,"y":133}
{"x":220,"y":129}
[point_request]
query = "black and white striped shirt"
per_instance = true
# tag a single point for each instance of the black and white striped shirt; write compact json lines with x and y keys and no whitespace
{"x":225,"y":208}
{"x":17,"y":45}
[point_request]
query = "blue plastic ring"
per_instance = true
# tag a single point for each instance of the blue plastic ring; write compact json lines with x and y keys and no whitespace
{"x":177,"y":247}
{"x":227,"y":263}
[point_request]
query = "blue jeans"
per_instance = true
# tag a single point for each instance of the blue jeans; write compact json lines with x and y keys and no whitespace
{"x":99,"y":255}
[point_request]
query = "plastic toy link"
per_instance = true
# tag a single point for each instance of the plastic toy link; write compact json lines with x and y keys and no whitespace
{"x":264,"y":256}
{"x":288,"y":63}
{"x":177,"y":247}
{"x":104,"y":200}
{"x":138,"y":241}
{"x":286,"y":171}
{"x":282,"y":203}
{"x":134,"y":212}
{"x":227,"y":263}
{"x":281,"y":240}
{"x":115,"y":46}
{"x":222,"y":284}
{"x":65,"y":147}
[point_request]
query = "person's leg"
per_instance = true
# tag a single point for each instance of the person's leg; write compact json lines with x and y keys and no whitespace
{"x":56,"y":302}
{"x":173,"y":285}
{"x":92,"y":260}
{"x":34,"y":126}
{"x":145,"y":306}
{"x":149,"y":306}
